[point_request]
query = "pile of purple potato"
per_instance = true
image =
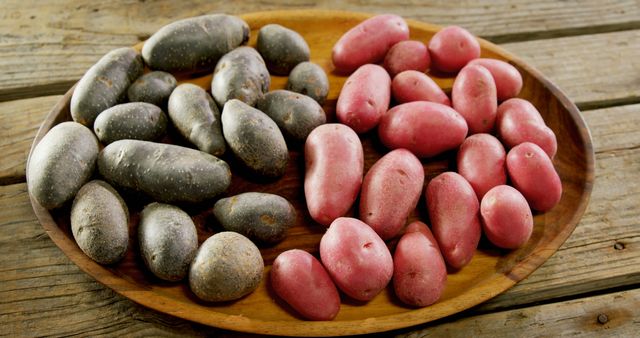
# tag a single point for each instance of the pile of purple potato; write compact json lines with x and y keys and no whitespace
{"x":121,"y":115}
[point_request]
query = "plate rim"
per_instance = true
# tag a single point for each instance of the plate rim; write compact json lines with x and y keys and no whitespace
{"x":138,"y":293}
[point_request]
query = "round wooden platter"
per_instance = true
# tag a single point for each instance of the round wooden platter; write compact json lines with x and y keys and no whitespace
{"x":491,"y":271}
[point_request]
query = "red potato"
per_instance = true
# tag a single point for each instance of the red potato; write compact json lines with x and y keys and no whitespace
{"x":407,"y":55}
{"x":452,"y":48}
{"x":424,"y":128}
{"x":364,"y":98}
{"x":454,"y":214}
{"x":300,"y":280}
{"x":356,"y":258}
{"x":532,"y":173}
{"x":368,"y":42}
{"x":474,"y":96}
{"x":412,"y":85}
{"x":419,"y":271}
{"x":508,"y":79}
{"x":481,"y":161}
{"x":334,"y":162}
{"x":390,"y":192}
{"x":519,"y":121}
{"x":506,"y":218}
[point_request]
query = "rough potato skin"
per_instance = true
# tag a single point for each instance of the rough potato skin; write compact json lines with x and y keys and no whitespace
{"x":166,"y":172}
{"x":227,"y":266}
{"x":197,"y":118}
{"x":194,"y":44}
{"x":262,"y":217}
{"x":254,"y":139}
{"x":105,"y":84}
{"x":281,"y":48}
{"x":309,"y":79}
{"x":134,"y":120}
{"x":99,"y":222}
{"x":296,"y":114}
{"x":154,"y":87}
{"x":240,"y":74}
{"x":168,"y":240}
{"x":61,"y":163}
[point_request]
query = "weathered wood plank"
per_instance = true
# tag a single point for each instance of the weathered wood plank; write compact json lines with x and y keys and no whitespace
{"x":19,"y":122}
{"x":610,"y":315}
{"x":593,"y":70}
{"x":60,"y":40}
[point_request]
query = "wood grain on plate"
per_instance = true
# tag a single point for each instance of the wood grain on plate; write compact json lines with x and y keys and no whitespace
{"x":491,"y":271}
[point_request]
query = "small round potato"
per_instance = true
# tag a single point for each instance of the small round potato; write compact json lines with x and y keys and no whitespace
{"x":254,"y":139}
{"x":134,"y":120}
{"x":281,"y":48}
{"x":61,"y":163}
{"x":452,"y":48}
{"x":168,"y":240}
{"x":260,"y":216}
{"x":154,"y":87}
{"x":407,"y":55}
{"x":227,"y":266}
{"x":309,"y":79}
{"x":506,"y":217}
{"x":99,"y":222}
{"x":474,"y":96}
{"x":105,"y":84}
{"x":240,"y":74}
{"x":296,"y":114}
{"x":197,"y":118}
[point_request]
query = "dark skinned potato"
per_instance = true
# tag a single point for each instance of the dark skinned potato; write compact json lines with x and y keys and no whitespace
{"x":134,"y":120}
{"x":296,"y":114}
{"x":153,"y":87}
{"x":309,"y":79}
{"x":281,"y":48}
{"x":240,"y":74}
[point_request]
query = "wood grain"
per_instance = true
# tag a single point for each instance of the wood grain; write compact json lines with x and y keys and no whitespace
{"x":610,"y":315}
{"x":593,"y":70}
{"x":19,"y":122}
{"x":490,"y":273}
{"x":60,"y":40}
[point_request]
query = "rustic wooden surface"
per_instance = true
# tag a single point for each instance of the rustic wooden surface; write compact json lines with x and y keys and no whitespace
{"x":591,"y":49}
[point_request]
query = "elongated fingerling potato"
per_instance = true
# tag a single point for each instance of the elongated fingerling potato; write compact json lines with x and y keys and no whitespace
{"x":507,"y":78}
{"x":518,"y":121}
{"x":133,"y":120}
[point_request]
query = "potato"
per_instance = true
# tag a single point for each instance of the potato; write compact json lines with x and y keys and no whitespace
{"x":227,"y":266}
{"x":240,"y":74}
{"x":474,"y":96}
{"x":356,"y":258}
{"x":309,"y":79}
{"x":532,"y":173}
{"x":166,"y":172}
{"x":334,"y":163}
{"x":481,"y":161}
{"x":452,"y":48}
{"x":99,"y":222}
{"x":197,"y":118}
{"x":407,"y":55}
{"x":419,"y":271}
{"x":368,"y":42}
{"x":134,"y":120}
{"x":390,"y":192}
{"x":105,"y":84}
{"x":507,"y":78}
{"x":364,"y":98}
{"x":295,"y":114}
{"x":300,"y":280}
{"x":506,"y":218}
{"x":61,"y":163}
{"x":262,"y":217}
{"x":168,"y":240}
{"x":412,"y":85}
{"x":153,"y":87}
{"x":194,"y":44}
{"x":453,"y":211}
{"x":424,"y":128}
{"x":519,"y":121}
{"x":281,"y":48}
{"x":254,"y":139}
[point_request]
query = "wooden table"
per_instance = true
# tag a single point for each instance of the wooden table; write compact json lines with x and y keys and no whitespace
{"x":590,"y":48}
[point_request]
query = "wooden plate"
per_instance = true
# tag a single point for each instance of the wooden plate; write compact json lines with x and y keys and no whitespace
{"x":491,"y":271}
